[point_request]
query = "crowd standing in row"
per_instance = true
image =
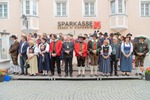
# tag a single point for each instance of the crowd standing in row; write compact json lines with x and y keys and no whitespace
{"x":40,"y":53}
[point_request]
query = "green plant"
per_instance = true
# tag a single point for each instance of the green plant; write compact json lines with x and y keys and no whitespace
{"x":147,"y":70}
{"x":0,"y":73}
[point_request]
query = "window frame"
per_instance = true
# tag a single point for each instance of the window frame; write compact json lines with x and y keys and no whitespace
{"x":3,"y":12}
{"x":144,"y":2}
{"x":31,"y":8}
{"x":61,"y":8}
{"x":124,"y":7}
{"x":89,"y":2}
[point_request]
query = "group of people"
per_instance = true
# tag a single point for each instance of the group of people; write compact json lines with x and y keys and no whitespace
{"x":41,"y":53}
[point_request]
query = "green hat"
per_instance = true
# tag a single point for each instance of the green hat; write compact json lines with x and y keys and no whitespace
{"x":141,"y":37}
{"x":117,"y":33}
{"x":94,"y":35}
{"x":71,"y":35}
{"x":81,"y":36}
{"x":105,"y":34}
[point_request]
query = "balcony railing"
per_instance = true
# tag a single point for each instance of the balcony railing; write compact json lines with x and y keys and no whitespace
{"x":119,"y":22}
{"x":30,"y":25}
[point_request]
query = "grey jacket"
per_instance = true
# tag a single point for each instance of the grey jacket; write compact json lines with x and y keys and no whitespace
{"x":71,"y":48}
{"x":118,"y":50}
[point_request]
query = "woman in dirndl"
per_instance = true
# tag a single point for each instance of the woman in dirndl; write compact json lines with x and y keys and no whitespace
{"x":105,"y":58}
{"x":44,"y":57}
{"x":32,"y":52}
{"x":126,"y":56}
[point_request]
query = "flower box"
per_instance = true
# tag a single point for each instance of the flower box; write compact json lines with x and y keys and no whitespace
{"x":147,"y":77}
{"x":147,"y":74}
{"x":1,"y":78}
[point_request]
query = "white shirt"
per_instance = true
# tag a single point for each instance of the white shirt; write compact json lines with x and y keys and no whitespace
{"x":22,"y":46}
{"x":110,"y":49}
{"x":36,"y":50}
{"x":46,"y":49}
{"x":126,"y":45}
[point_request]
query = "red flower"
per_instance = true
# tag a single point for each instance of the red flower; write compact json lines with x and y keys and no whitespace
{"x":148,"y":69}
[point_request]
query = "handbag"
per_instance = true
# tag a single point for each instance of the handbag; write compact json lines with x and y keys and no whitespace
{"x":27,"y":65}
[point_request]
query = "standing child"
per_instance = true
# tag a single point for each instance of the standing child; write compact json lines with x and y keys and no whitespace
{"x":44,"y":57}
{"x":105,"y":54}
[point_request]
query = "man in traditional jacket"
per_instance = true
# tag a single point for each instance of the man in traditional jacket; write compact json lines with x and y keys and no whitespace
{"x":115,"y":55}
{"x":23,"y":54}
{"x":68,"y":47}
{"x":140,"y":51}
{"x":55,"y":51}
{"x":81,"y":54}
{"x":94,"y":49}
{"x":13,"y":50}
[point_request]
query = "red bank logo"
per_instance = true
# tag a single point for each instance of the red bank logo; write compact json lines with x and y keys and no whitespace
{"x":97,"y":25}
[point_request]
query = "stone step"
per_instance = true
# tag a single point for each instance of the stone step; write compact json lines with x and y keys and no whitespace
{"x":87,"y":77}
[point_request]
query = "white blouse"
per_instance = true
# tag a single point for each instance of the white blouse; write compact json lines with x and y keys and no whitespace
{"x":36,"y":50}
{"x":110,"y":50}
{"x":126,"y":45}
{"x":46,"y":49}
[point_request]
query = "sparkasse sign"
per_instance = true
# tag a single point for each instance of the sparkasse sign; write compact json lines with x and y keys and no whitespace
{"x":79,"y":24}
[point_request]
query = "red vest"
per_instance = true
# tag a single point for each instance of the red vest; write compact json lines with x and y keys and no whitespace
{"x":57,"y":48}
{"x":83,"y":49}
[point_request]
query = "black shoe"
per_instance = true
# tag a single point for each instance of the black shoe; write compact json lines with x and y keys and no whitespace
{"x":66,"y":75}
{"x":123,"y":74}
{"x":78,"y":75}
{"x":136,"y":74}
{"x":83,"y":75}
{"x":52,"y":75}
{"x":127,"y":74}
{"x":142,"y":75}
{"x":71,"y":75}
{"x":91,"y":75}
{"x":110,"y":74}
{"x":21,"y":74}
{"x":59,"y":75}
{"x":116,"y":75}
{"x":96,"y":75}
{"x":43,"y":74}
{"x":103,"y":75}
{"x":107,"y":75}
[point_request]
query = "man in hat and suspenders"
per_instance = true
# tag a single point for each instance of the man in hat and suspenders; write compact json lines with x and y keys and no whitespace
{"x":140,"y":51}
{"x":81,"y":54}
{"x":13,"y":50}
{"x":94,"y":49}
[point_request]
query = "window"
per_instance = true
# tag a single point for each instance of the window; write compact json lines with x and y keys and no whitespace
{"x":34,"y":7}
{"x":3,"y":10}
{"x":113,"y":8}
{"x":89,"y":8}
{"x":118,"y":6}
{"x":61,"y":8}
{"x":145,"y":8}
{"x":30,"y":7}
{"x":27,"y":7}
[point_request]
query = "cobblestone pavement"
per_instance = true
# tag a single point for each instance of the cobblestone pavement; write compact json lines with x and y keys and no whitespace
{"x":75,"y":90}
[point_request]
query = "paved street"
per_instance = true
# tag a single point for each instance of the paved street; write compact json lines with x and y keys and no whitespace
{"x":75,"y":90}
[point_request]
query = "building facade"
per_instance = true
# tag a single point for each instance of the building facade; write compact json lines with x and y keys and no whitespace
{"x":75,"y":16}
